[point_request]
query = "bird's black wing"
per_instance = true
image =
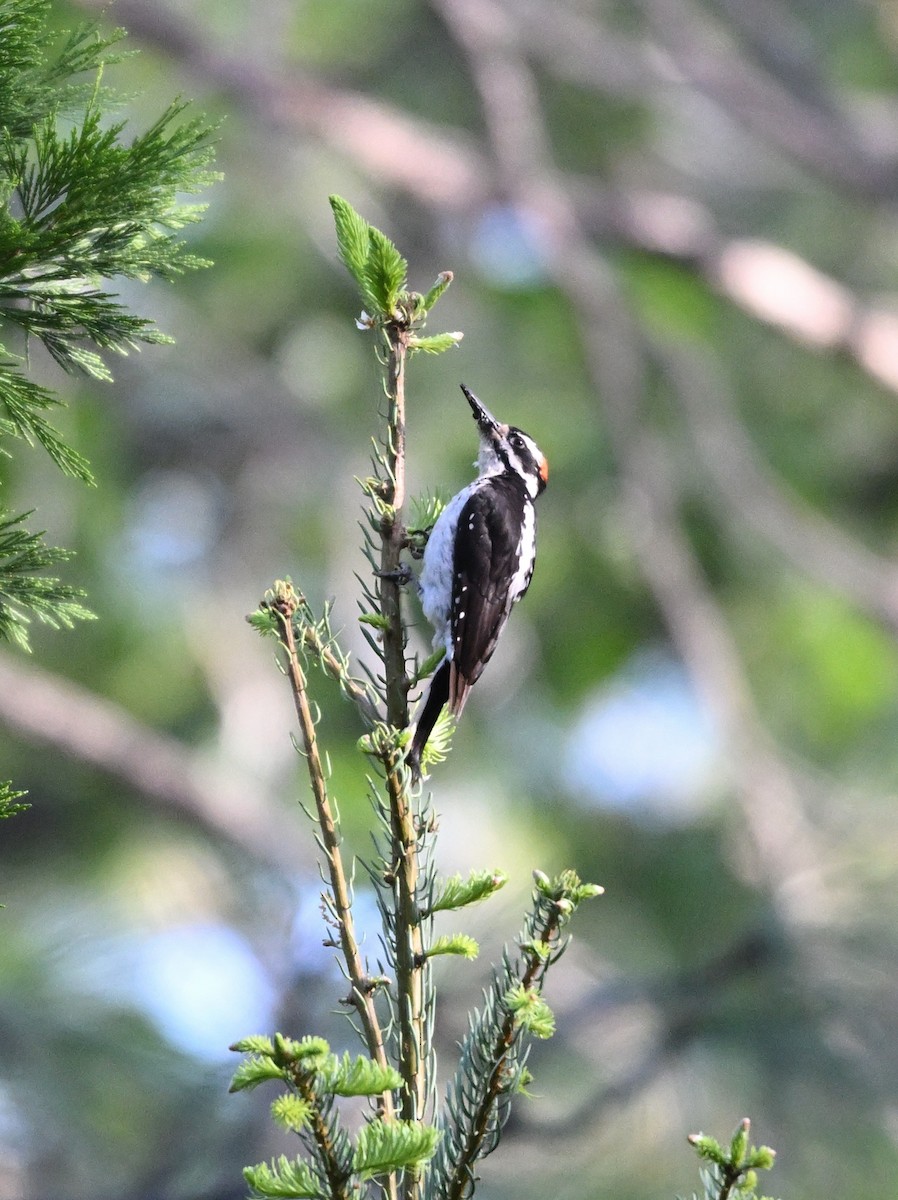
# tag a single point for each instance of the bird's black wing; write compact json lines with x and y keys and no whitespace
{"x":487,"y":547}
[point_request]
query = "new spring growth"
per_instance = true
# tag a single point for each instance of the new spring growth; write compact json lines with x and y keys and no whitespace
{"x":381,"y":274}
{"x":566,"y":890}
{"x":737,"y":1166}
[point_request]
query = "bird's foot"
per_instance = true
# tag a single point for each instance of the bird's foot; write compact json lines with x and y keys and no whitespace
{"x":402,"y":575}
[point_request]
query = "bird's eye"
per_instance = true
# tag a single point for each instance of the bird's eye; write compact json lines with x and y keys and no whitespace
{"x":517,"y":441}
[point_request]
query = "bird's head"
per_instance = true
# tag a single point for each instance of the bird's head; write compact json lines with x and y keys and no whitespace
{"x":507,"y":448}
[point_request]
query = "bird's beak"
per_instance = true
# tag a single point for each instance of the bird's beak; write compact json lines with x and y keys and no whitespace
{"x":484,"y":418}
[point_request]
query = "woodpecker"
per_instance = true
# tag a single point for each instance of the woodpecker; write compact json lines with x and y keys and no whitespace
{"x":478,"y":563}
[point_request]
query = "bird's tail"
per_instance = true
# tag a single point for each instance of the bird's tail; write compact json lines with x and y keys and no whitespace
{"x":433,"y":705}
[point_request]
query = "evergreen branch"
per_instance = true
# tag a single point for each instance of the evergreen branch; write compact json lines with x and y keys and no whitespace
{"x":285,"y":1179}
{"x":89,"y":206}
{"x":412,"y":968}
{"x":381,"y":1147}
{"x":21,"y":403}
{"x":56,"y":604}
{"x":360,"y":1077}
{"x":732,"y":1172}
{"x":492,"y":1065}
{"x":362,"y":994}
{"x":33,"y":83}
{"x":404,"y":889}
{"x":492,"y":1057}
{"x":396,"y":315}
{"x":9,"y":800}
{"x":314,"y":1076}
{"x":291,"y":1112}
{"x":457,"y":892}
{"x":460,"y":944}
{"x":329,"y":1141}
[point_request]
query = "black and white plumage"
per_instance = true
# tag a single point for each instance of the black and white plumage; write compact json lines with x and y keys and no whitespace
{"x":478,"y":562}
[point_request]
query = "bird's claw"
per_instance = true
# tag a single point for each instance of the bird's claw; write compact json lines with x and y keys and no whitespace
{"x":402,"y":575}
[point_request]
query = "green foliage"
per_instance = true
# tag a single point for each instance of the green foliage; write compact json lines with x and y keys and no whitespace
{"x":30,"y":53}
{"x":291,"y":1112}
{"x":389,"y":1146}
{"x":264,"y":621}
{"x":24,"y":592}
{"x":397,"y":1142}
{"x":460,"y":944}
{"x":436,"y":344}
{"x":375,"y":620}
{"x":256,"y":1043}
{"x":284,"y":1178}
{"x":312,"y":1059}
{"x":371,"y":259}
{"x":352,"y":239}
{"x":358,"y":1077}
{"x":732,"y":1172}
{"x":9,"y":800}
{"x":457,"y":892}
{"x":385,"y":272}
{"x":253,"y":1071}
{"x":77,"y":206}
{"x":530,"y":1011}
{"x":311,"y":1051}
{"x":441,"y":283}
{"x":429,"y":665}
{"x":91,"y":208}
{"x":381,"y":273}
{"x":317,"y":1076}
{"x":21,"y":404}
{"x":493,"y":1053}
{"x":439,"y":743}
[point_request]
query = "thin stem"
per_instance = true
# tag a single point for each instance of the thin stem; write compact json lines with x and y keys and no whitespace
{"x":392,"y":530}
{"x":730,"y":1175}
{"x":362,"y":994}
{"x":410,"y":959}
{"x":411,"y":962}
{"x":354,"y":688}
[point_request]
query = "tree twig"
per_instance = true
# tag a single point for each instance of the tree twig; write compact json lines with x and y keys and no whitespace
{"x":337,"y":667}
{"x":362,"y":993}
{"x":392,"y":529}
{"x":410,"y":958}
{"x":55,"y":712}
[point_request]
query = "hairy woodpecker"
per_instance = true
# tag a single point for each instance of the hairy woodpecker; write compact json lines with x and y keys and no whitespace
{"x":478,"y":562}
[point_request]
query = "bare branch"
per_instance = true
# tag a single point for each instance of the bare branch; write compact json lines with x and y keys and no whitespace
{"x":66,"y":717}
{"x":446,"y":170}
{"x":754,"y":496}
{"x":824,"y":137}
{"x":785,"y":847}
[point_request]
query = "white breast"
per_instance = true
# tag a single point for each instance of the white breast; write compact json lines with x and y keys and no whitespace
{"x":436,"y":577}
{"x":521,"y":580}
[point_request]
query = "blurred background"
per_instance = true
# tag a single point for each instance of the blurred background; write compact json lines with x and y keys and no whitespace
{"x":674,"y":231}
